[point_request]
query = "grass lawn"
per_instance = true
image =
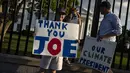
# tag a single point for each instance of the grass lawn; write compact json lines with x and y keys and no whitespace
{"x":124,"y":61}
{"x":15,"y":41}
{"x":30,"y":46}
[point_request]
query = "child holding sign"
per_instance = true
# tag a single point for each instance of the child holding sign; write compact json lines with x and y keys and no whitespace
{"x":73,"y":17}
{"x":50,"y":62}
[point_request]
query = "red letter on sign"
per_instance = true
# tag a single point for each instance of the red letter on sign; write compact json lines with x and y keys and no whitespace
{"x":53,"y":42}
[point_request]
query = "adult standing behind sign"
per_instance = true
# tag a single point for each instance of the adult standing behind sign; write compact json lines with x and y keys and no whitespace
{"x":50,"y":62}
{"x":110,"y":26}
{"x":76,"y":18}
{"x":73,"y":17}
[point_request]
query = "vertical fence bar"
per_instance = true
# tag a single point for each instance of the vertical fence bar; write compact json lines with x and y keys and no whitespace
{"x":96,"y":18}
{"x":12,"y":26}
{"x":49,"y":2}
{"x":65,"y":4}
{"x":39,"y":17}
{"x":128,"y":60}
{"x":120,"y":66}
{"x":87,"y":19}
{"x":4,"y":23}
{"x":40,"y":10}
{"x":117,"y":38}
{"x":57,"y":6}
{"x":113,"y":6}
{"x":120,"y":9}
{"x":113,"y":62}
{"x":30,"y":22}
{"x":21,"y":24}
{"x":81,"y":4}
{"x":127,"y":14}
{"x":73,"y":5}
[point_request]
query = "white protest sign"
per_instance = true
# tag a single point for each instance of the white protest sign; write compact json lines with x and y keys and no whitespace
{"x":55,"y":38}
{"x":97,"y":55}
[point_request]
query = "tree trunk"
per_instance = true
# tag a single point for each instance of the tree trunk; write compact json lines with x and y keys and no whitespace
{"x":6,"y":28}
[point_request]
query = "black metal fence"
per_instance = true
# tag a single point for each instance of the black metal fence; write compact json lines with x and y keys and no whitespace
{"x":20,"y":42}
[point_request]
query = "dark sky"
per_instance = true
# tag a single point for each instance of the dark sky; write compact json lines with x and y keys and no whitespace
{"x":116,"y":9}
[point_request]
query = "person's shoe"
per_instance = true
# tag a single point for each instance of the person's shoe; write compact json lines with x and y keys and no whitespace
{"x":73,"y":61}
{"x":68,"y":62}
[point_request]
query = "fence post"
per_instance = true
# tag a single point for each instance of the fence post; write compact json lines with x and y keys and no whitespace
{"x":12,"y":26}
{"x":87,"y":20}
{"x":20,"y":30}
{"x":96,"y":17}
{"x":30,"y":22}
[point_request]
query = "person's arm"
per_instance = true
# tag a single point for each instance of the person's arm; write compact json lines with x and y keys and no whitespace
{"x":79,"y":19}
{"x":116,"y":26}
{"x":35,"y":29}
{"x":80,"y":25}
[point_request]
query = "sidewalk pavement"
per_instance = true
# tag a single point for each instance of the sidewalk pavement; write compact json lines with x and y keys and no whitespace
{"x":23,"y":64}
